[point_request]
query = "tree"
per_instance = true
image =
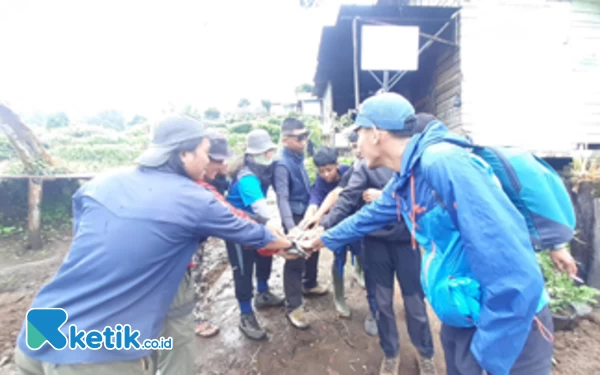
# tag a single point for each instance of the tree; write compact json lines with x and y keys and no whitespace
{"x":35,"y":159}
{"x":26,"y":144}
{"x":266,"y":105}
{"x":212,"y":113}
{"x":57,"y":120}
{"x":307,"y":4}
{"x":111,"y":118}
{"x":35,"y":118}
{"x":305,"y":87}
{"x":243,"y":103}
{"x":137,"y":119}
{"x":192,"y":111}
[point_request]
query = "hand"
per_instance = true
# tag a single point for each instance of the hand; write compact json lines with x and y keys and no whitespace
{"x":287,"y":256}
{"x":315,"y":243}
{"x":371,"y":194}
{"x":275,"y":227}
{"x":310,"y":222}
{"x":296,"y":233}
{"x":564,"y":261}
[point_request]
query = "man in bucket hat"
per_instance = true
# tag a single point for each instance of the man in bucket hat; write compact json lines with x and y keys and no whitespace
{"x":480,"y":273}
{"x":135,"y":232}
{"x":251,"y":180}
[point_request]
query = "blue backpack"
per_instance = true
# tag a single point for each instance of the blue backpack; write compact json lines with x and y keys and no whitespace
{"x":536,"y":190}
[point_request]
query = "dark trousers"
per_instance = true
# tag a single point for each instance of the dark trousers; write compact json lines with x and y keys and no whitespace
{"x":358,"y":250}
{"x":535,"y":359}
{"x":384,"y":259}
{"x":242,"y":263}
{"x":299,"y":273}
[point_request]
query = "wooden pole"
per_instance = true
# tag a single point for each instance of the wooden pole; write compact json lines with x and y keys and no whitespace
{"x":34,"y":216}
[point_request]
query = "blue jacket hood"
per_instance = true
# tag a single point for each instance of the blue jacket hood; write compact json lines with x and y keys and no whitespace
{"x":435,"y":132}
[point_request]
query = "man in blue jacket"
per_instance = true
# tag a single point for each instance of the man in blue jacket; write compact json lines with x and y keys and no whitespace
{"x":135,"y":232}
{"x":479,"y":273}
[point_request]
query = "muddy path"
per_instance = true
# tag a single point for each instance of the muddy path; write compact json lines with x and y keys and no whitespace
{"x":331,"y":346}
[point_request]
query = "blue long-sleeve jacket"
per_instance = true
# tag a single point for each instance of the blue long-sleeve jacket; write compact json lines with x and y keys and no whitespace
{"x":135,"y":233}
{"x":479,"y":267}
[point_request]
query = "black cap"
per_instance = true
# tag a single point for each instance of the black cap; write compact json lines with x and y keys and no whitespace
{"x":219,"y":149}
{"x":353,"y":137}
{"x":423,"y":119}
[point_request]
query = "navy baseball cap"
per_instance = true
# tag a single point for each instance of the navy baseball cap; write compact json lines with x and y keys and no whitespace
{"x":386,"y":111}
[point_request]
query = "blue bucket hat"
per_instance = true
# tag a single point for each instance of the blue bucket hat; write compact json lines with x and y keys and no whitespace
{"x":387,"y":111}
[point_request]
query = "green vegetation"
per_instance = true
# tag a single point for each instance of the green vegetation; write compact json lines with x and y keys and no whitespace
{"x":57,"y":120}
{"x":562,"y":289}
{"x":6,"y":149}
{"x":243,"y":103}
{"x":212,"y":114}
{"x":105,"y":141}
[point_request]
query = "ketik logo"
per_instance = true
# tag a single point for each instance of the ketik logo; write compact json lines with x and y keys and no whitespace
{"x":43,"y":325}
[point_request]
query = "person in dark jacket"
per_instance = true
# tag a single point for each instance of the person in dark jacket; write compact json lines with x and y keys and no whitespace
{"x":388,"y":253}
{"x":251,"y":181}
{"x":292,"y":187}
{"x":135,"y":231}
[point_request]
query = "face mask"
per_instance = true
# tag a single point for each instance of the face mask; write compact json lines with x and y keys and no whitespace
{"x":262,"y":160}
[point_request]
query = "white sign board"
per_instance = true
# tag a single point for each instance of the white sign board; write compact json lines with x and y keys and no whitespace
{"x":390,"y":48}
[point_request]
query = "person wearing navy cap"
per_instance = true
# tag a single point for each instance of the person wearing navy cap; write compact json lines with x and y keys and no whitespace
{"x":479,"y":272}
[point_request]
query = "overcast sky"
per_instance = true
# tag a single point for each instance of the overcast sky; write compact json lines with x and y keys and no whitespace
{"x":82,"y":56}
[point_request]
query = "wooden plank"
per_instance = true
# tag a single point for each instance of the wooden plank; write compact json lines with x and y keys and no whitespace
{"x":34,"y":216}
{"x":448,"y":94}
{"x":448,"y":105}
{"x":442,"y":76}
{"x":442,"y":87}
{"x":445,"y":64}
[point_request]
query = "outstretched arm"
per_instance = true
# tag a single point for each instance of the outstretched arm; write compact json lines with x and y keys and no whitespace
{"x":369,"y":219}
{"x":225,"y":224}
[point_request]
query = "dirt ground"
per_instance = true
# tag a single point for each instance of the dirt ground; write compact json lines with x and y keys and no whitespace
{"x":332,"y":346}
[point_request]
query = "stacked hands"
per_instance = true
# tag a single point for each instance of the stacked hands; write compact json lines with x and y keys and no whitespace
{"x":304,"y":239}
{"x":306,"y":236}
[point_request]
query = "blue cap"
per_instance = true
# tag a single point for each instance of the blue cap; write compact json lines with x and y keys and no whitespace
{"x":387,"y":111}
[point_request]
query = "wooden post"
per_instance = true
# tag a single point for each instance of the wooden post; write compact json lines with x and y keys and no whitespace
{"x":34,"y":216}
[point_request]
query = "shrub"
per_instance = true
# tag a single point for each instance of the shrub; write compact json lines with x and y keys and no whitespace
{"x":562,"y":289}
{"x":237,"y":143}
{"x":273,"y":130}
{"x":6,"y":149}
{"x":242,"y":128}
